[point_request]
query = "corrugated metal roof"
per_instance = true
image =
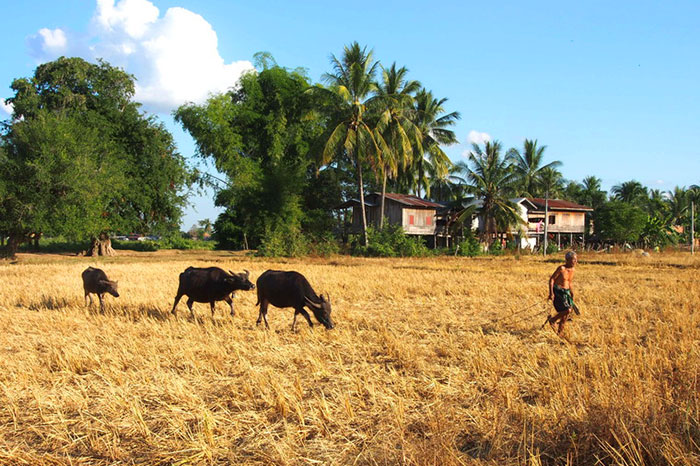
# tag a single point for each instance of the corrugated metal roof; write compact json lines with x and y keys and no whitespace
{"x":373,"y":200}
{"x":408,"y":199}
{"x":558,"y":204}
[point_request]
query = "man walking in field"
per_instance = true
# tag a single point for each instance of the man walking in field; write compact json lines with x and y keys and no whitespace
{"x":561,"y":293}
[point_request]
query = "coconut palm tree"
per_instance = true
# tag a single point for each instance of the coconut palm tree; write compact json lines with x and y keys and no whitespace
{"x":592,"y":194}
{"x":393,"y":105}
{"x":528,"y":166}
{"x":678,"y":203}
{"x":632,"y":192}
{"x":433,"y":125}
{"x":491,"y":180}
{"x":352,"y":83}
{"x":550,"y":182}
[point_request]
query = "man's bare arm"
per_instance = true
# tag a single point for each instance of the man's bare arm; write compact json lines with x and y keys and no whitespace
{"x":552,"y":279}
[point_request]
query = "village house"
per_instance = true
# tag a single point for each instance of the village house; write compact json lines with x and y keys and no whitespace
{"x":415,"y":215}
{"x":566,"y":220}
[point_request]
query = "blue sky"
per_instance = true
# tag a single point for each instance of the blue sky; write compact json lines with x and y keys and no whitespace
{"x":612,"y":88}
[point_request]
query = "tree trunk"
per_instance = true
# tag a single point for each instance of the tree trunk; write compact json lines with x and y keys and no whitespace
{"x":12,"y":247}
{"x":101,"y":246}
{"x":362,"y":203}
{"x":381,"y":212}
{"x":35,"y":239}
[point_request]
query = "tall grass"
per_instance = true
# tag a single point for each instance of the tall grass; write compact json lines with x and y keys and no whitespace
{"x":433,"y":361}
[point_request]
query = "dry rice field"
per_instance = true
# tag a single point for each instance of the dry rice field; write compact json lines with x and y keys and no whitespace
{"x":437,"y":361}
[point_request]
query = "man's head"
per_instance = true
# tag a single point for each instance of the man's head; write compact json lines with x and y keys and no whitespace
{"x":571,"y":258}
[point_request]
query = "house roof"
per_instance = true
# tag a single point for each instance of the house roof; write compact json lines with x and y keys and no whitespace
{"x":405,"y":199}
{"x":413,"y":201}
{"x":558,"y":204}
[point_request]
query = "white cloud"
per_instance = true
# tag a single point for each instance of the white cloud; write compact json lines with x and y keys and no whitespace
{"x":174,"y":57}
{"x":48,"y":43}
{"x":476,"y":137}
{"x":5,"y":107}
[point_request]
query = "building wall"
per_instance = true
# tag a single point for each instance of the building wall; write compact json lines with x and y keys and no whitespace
{"x":419,"y":221}
{"x":395,"y":213}
{"x":563,"y":222}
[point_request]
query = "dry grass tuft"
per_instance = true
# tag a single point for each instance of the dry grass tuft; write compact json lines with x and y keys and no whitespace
{"x":433,"y":361}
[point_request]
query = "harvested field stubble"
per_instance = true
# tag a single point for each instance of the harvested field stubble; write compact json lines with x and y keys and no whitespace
{"x":433,"y":361}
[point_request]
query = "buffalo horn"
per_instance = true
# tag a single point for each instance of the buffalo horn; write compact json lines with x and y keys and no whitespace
{"x":312,"y":304}
{"x":247,"y":274}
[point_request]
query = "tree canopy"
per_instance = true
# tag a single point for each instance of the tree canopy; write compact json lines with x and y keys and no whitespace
{"x":83,"y":159}
{"x":261,"y":136}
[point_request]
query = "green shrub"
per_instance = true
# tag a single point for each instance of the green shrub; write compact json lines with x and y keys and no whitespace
{"x":144,"y":246}
{"x":178,"y":242}
{"x":391,"y":241}
{"x":325,"y":246}
{"x":469,"y":247}
{"x":283,"y":242}
{"x":496,"y":249}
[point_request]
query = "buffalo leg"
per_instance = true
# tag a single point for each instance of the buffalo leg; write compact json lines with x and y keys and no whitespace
{"x":88,"y":297}
{"x":229,"y":300}
{"x":306,"y":314}
{"x":294,"y":322}
{"x":102,"y":305}
{"x":177,"y":300}
{"x":263,"y":313}
{"x":189,"y":305}
{"x":212,"y":305}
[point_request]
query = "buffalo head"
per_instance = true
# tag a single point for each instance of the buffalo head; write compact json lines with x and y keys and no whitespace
{"x":322,"y":311}
{"x":108,"y":286}
{"x":240,"y":281}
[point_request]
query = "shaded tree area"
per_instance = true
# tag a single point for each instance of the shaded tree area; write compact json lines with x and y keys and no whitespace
{"x":83,"y":161}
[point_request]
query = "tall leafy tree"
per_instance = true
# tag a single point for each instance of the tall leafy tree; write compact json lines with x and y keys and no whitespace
{"x":529,"y":167}
{"x":399,"y":134}
{"x":117,"y":167}
{"x":261,"y":137}
{"x":353,"y":86}
{"x":620,"y":222}
{"x":491,"y":180}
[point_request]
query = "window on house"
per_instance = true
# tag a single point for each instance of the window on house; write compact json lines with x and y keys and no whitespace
{"x":552,"y":219}
{"x":411,"y":220}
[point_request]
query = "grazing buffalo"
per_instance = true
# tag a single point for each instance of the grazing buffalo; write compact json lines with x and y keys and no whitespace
{"x":96,"y":281}
{"x":211,"y":284}
{"x":291,"y":289}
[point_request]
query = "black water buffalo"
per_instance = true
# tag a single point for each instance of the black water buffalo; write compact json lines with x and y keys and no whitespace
{"x":96,"y":281}
{"x":291,"y":289}
{"x":211,"y":284}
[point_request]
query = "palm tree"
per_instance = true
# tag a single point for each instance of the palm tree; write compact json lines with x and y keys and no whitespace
{"x":678,"y":203}
{"x":491,"y":179}
{"x":393,"y":105}
{"x":632,"y":192}
{"x":550,"y":181}
{"x":433,"y":125}
{"x":448,"y":188}
{"x":352,"y":83}
{"x":528,"y":166}
{"x":655,"y":205}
